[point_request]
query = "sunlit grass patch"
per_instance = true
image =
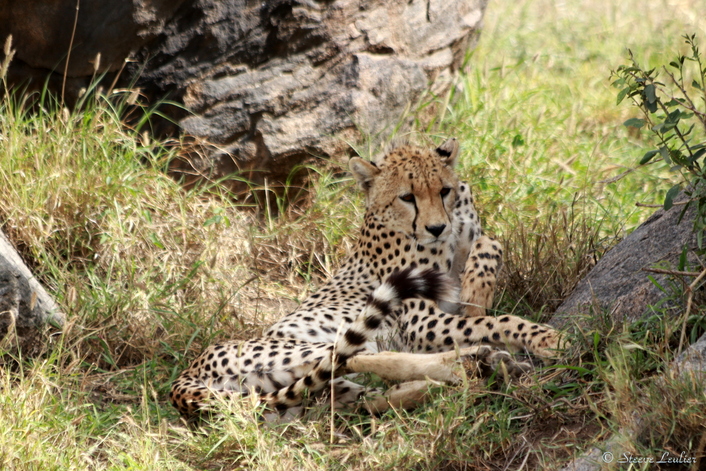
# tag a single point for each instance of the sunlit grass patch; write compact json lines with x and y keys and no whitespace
{"x":543,"y":139}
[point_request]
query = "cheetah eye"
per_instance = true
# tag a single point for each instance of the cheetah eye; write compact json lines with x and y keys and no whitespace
{"x":408,"y":198}
{"x":445,"y":191}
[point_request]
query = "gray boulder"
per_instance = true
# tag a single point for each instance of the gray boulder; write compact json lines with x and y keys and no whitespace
{"x":43,"y":34}
{"x":272,"y":84}
{"x":25,"y":306}
{"x":259,"y":86}
{"x":619,"y":283}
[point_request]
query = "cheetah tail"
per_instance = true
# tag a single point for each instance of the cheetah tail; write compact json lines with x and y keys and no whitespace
{"x":382,"y":303}
{"x":386,"y":299}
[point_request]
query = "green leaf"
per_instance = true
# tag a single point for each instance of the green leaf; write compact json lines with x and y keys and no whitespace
{"x":650,"y":93}
{"x":700,"y":239}
{"x":669,"y":198}
{"x":664,"y":152}
{"x":634,"y":122}
{"x":517,"y":140}
{"x":673,"y":117}
{"x":155,"y":240}
{"x":648,"y":156}
{"x":697,"y":155}
{"x":621,"y":94}
{"x":696,"y":84}
{"x":213,"y":220}
{"x":682,"y":259}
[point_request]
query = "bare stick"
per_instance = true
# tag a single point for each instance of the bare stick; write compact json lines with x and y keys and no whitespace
{"x":68,"y":54}
{"x":678,"y":203}
{"x":689,"y":299}
{"x":672,"y":272}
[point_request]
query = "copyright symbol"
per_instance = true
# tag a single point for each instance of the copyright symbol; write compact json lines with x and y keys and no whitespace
{"x":607,"y":457}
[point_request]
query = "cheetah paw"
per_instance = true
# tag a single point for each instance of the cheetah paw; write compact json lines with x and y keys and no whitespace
{"x":504,"y":365}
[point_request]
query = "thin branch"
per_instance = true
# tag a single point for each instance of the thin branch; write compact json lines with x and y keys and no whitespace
{"x":68,"y":54}
{"x":617,"y":177}
{"x":678,"y":203}
{"x":689,"y":299}
{"x":672,"y":272}
{"x":690,"y":105}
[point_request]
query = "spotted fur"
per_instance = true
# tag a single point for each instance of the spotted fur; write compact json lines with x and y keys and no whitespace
{"x":391,"y":309}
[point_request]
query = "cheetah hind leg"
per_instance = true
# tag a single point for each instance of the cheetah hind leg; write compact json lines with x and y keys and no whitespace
{"x":418,"y":371}
{"x":446,"y":367}
{"x":423,"y":371}
{"x":480,"y":276}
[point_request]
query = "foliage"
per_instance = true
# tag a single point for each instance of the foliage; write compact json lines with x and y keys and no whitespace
{"x":671,"y":110}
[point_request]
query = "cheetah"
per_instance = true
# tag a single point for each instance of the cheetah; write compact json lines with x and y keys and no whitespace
{"x":409,"y":304}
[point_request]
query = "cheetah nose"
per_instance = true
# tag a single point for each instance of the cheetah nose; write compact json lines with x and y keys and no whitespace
{"x":436,"y":230}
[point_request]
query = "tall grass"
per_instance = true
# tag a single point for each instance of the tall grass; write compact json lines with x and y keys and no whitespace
{"x":148,"y":273}
{"x":543,"y":137}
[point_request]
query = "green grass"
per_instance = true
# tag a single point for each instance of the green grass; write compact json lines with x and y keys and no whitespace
{"x":149,"y":273}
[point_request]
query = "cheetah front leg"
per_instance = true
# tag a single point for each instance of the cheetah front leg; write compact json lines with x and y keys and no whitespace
{"x":478,"y":282}
{"x":441,"y":332}
{"x":480,"y":276}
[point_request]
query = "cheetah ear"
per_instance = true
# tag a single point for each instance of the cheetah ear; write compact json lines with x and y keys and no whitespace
{"x":363,"y":171}
{"x":448,"y":151}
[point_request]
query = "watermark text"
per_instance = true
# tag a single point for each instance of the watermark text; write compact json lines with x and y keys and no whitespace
{"x":664,"y":458}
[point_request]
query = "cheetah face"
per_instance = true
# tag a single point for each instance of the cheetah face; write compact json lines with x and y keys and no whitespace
{"x":412,"y":190}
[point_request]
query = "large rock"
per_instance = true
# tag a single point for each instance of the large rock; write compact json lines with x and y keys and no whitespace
{"x":271,"y":84}
{"x":25,"y":306}
{"x":619,"y":282}
{"x":264,"y":85}
{"x":43,"y":34}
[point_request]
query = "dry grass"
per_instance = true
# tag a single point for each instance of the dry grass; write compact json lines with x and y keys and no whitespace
{"x":149,"y":272}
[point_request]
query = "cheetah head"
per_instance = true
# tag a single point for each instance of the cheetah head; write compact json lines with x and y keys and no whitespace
{"x":412,"y":189}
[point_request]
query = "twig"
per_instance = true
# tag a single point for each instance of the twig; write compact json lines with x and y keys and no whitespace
{"x":699,"y":452}
{"x":334,"y":359}
{"x":117,"y":76}
{"x":689,"y":299}
{"x":690,"y":105}
{"x":678,"y":203}
{"x":628,"y":172}
{"x":68,"y":54}
{"x":618,"y":177}
{"x":672,"y":272}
